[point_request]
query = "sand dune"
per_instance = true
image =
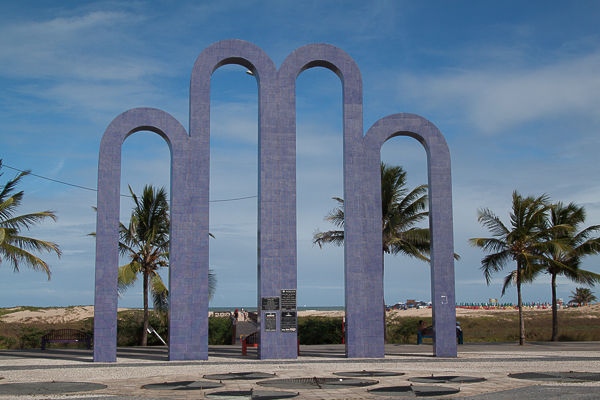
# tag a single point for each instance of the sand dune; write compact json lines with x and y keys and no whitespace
{"x":77,"y":313}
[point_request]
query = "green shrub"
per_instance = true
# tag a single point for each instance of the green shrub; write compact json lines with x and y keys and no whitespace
{"x":130,"y":325}
{"x":7,"y":342}
{"x":220,"y":331}
{"x":404,"y":330}
{"x":30,"y":337}
{"x":320,"y":330}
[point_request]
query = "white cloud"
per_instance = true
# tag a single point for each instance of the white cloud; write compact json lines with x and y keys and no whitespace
{"x":87,"y":46}
{"x":495,"y":100}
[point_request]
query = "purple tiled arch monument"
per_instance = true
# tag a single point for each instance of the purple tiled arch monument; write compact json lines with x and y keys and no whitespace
{"x":277,"y":269}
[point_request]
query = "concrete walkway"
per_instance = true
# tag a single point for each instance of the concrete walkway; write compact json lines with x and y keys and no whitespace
{"x":138,"y":366}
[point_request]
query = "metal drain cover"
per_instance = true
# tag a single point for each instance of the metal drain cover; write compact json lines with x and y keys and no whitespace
{"x":183,"y":385}
{"x":317,"y":383}
{"x":558,"y":376}
{"x":240,"y":376}
{"x":368,"y":373}
{"x":446,"y":379}
{"x":251,"y":394}
{"x":414,"y":391}
{"x":44,"y":388}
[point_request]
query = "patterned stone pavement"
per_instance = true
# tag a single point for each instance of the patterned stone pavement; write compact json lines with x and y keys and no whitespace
{"x":136,"y":367}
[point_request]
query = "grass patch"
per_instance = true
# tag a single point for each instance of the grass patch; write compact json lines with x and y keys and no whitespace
{"x":505,"y":328}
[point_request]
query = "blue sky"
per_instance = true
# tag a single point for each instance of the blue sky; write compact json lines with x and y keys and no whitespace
{"x":514,"y":87}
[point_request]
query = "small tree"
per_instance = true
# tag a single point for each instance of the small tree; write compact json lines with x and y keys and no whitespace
{"x":582,"y":296}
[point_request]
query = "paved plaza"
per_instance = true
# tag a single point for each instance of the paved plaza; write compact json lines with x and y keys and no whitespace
{"x":47,"y":373}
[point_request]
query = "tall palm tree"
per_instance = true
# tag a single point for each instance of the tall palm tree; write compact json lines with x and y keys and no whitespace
{"x":567,"y":264}
{"x":15,"y":248}
{"x":401,"y":211}
{"x":582,"y":296}
{"x":146,"y":241}
{"x":524,"y":242}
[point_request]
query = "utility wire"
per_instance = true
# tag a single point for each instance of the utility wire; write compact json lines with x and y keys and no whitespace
{"x":123,"y":195}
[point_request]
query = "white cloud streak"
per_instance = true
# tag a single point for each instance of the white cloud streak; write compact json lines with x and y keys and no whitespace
{"x":496,"y":100}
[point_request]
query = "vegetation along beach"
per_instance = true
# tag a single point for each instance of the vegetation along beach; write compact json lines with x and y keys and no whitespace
{"x":22,"y":327}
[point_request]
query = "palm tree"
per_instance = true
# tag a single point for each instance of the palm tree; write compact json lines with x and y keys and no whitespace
{"x":15,"y":248}
{"x":582,"y":296}
{"x":567,"y":264}
{"x":525,"y":243}
{"x":401,"y":211}
{"x":146,"y":241}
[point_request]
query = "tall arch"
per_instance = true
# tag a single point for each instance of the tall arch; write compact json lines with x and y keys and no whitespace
{"x":363,"y":276}
{"x":275,"y":254}
{"x":440,"y":214}
{"x":277,"y":258}
{"x":184,"y":277}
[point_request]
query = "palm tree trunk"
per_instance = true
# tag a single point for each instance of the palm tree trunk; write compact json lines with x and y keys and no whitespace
{"x":145,"y":325}
{"x":520,"y":303}
{"x":554,"y":311}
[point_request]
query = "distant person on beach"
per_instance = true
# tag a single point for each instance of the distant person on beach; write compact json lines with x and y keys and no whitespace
{"x":236,"y":314}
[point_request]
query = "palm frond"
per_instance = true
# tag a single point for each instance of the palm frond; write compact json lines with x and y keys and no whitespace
{"x":336,"y":216}
{"x":330,"y":237}
{"x":491,"y":221}
{"x":127,"y":276}
{"x":16,"y":255}
{"x":509,"y":280}
{"x":160,"y":294}
{"x":494,"y":262}
{"x":31,"y":244}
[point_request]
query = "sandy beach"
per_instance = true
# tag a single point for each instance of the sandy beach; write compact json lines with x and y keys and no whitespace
{"x":77,"y":313}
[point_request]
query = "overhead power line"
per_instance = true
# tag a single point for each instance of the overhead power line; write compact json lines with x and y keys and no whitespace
{"x":123,"y":195}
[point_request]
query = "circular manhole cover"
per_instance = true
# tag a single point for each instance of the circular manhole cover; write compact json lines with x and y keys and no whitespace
{"x":44,"y":388}
{"x":251,"y":394}
{"x":317,"y":383}
{"x":558,"y":376}
{"x":183,"y":385}
{"x":240,"y":376}
{"x":446,"y":379}
{"x":414,"y":391}
{"x":368,"y":373}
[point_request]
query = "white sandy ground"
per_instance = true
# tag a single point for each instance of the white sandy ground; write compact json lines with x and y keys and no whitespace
{"x":76,"y":313}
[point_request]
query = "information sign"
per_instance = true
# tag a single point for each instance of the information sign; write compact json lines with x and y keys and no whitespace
{"x":270,"y":322}
{"x":288,"y":321}
{"x":288,"y":300}
{"x":270,"y":304}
